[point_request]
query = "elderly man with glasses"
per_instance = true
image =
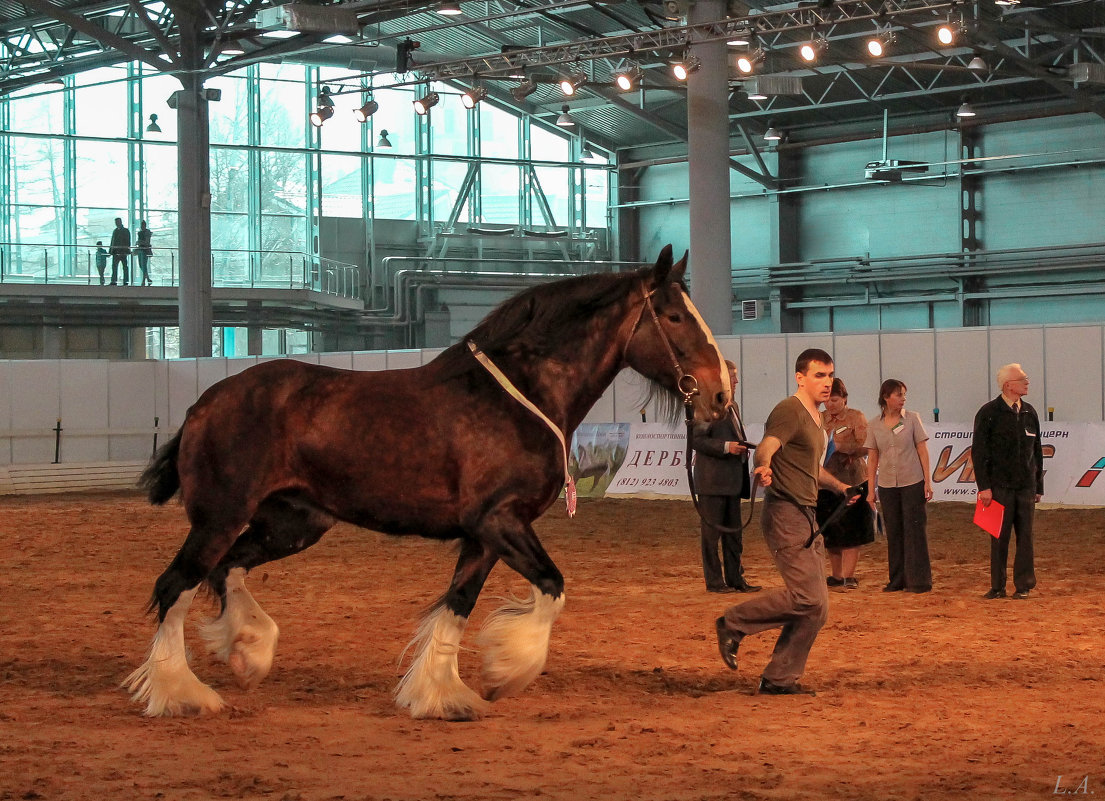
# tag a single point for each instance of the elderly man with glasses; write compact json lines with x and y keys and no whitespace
{"x":1009,"y":468}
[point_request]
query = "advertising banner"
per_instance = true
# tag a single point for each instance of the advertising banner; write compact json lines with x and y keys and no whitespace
{"x":649,"y":459}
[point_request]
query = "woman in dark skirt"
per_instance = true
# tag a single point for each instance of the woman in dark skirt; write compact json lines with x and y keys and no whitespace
{"x":847,"y":461}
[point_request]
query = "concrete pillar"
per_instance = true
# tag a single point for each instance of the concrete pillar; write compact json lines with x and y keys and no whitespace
{"x":254,"y":329}
{"x":708,"y":160}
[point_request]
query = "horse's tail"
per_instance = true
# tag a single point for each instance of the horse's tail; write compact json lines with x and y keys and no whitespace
{"x":160,"y":479}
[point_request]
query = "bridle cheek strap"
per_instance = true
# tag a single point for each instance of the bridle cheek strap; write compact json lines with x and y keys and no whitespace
{"x":685,"y":382}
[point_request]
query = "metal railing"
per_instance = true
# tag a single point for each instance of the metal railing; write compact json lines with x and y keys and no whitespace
{"x":35,"y":263}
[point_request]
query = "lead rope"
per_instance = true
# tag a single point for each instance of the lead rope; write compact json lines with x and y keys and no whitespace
{"x":514,"y":392}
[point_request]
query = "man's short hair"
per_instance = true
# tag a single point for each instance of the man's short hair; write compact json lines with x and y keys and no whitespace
{"x":1006,"y":371}
{"x":802,"y":364}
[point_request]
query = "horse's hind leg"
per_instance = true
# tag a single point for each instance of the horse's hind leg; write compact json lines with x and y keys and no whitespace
{"x":243,"y":635}
{"x":432,"y":687}
{"x":514,"y":639}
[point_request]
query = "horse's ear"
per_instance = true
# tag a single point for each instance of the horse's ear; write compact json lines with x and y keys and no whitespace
{"x":679,"y":268}
{"x":663,"y":267}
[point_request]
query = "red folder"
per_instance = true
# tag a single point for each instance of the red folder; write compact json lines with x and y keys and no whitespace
{"x":989,"y":517}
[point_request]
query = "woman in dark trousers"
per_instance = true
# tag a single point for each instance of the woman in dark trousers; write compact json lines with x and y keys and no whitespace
{"x":898,"y":458}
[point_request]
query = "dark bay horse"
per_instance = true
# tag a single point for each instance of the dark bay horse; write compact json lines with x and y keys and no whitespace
{"x":269,"y":459}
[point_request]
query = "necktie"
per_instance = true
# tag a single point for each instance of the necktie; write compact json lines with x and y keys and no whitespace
{"x":1017,"y":407}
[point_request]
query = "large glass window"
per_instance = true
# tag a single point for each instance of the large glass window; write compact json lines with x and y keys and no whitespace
{"x":341,"y":186}
{"x":283,"y":104}
{"x":229,"y":116}
{"x":102,"y":172}
{"x":449,"y":124}
{"x":498,"y":133}
{"x":553,"y":183}
{"x":159,"y":176}
{"x":500,"y":186}
{"x":596,"y":197}
{"x":101,"y":103}
{"x":37,"y":175}
{"x":37,"y":110}
{"x":283,"y":182}
{"x":448,"y":177}
{"x":394,"y":183}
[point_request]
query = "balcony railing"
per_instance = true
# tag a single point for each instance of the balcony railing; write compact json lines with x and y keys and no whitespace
{"x":30,"y":263}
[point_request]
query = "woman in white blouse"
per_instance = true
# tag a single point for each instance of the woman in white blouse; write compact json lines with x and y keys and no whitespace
{"x":898,"y":458}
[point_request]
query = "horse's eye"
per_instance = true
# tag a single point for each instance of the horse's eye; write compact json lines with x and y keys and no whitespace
{"x":675,"y":317}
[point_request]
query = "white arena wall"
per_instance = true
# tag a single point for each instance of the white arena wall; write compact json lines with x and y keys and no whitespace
{"x":110,"y":411}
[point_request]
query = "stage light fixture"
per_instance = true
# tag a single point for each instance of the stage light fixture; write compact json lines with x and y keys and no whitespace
{"x":877,"y":45}
{"x":321,"y":115}
{"x":812,"y":50}
{"x":383,"y":141}
{"x":323,"y":98}
{"x":449,"y":9}
{"x":739,"y":37}
{"x":367,"y":110}
{"x":965,"y":111}
{"x":423,"y":104}
{"x":978,"y":64}
{"x":772,"y":134}
{"x":682,"y":68}
{"x":565,"y":119}
{"x":473,"y":96}
{"x":153,"y":127}
{"x":524,"y":89}
{"x":746,"y":62}
{"x":572,"y":81}
{"x":626,"y":79}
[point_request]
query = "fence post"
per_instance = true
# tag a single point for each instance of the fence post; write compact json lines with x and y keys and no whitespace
{"x":57,"y":442}
{"x":155,"y":422}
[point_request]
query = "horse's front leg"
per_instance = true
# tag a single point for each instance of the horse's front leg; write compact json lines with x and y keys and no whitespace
{"x":432,"y":687}
{"x":514,"y":639}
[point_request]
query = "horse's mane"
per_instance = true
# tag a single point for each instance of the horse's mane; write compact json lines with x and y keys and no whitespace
{"x":539,"y":319}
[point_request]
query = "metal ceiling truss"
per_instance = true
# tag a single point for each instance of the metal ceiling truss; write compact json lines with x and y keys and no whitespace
{"x":674,"y":39}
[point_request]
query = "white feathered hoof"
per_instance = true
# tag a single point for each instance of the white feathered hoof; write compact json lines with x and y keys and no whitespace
{"x":243,"y":636}
{"x":432,"y":687}
{"x":168,"y":691}
{"x":515,"y":643}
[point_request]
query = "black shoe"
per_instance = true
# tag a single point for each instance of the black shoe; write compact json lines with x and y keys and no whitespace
{"x":722,"y":588}
{"x":727,"y":643}
{"x":992,"y":594}
{"x":1020,"y":595}
{"x":850,"y":583}
{"x":892,"y":588}
{"x":769,"y":688}
{"x":744,"y":586}
{"x":833,"y":581}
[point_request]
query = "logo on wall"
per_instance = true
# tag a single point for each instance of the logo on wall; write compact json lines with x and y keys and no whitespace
{"x":1091,"y":475}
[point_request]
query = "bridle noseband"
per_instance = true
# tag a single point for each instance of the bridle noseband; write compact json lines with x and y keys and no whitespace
{"x":686,"y":383}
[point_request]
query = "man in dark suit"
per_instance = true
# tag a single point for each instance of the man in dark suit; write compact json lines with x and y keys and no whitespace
{"x":1008,"y":461}
{"x":721,"y":479}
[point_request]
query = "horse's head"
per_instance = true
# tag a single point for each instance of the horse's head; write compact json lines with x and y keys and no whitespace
{"x":671,"y":343}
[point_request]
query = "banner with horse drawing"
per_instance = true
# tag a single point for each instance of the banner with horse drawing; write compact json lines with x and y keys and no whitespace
{"x":1074,"y":461}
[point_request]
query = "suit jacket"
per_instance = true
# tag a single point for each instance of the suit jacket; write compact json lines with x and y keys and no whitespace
{"x":715,"y":471}
{"x":1006,"y":450}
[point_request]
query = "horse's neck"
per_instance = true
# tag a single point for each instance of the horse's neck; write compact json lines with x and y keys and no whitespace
{"x":569,"y":382}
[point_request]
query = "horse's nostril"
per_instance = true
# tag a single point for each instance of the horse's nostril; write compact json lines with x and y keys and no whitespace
{"x":720,"y":399}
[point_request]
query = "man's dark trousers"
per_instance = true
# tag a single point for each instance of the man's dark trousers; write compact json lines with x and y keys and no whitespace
{"x":1020,"y":507}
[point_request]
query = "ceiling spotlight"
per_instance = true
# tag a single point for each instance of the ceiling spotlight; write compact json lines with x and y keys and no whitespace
{"x":321,"y":115}
{"x":232,"y":49}
{"x":946,"y":33}
{"x":684,"y":67}
{"x":965,"y":110}
{"x":383,"y":141}
{"x":978,"y":64}
{"x":449,"y":9}
{"x":423,"y":104}
{"x":739,"y":37}
{"x":565,"y":119}
{"x":324,"y":98}
{"x":813,"y":49}
{"x":626,"y":79}
{"x":1007,"y":3}
{"x":523,"y":90}
{"x":772,"y":134}
{"x":753,"y":91}
{"x":572,"y":81}
{"x":877,"y":44}
{"x":473,"y":96}
{"x":153,"y":127}
{"x":55,"y":82}
{"x":746,"y":62}
{"x":367,"y":110}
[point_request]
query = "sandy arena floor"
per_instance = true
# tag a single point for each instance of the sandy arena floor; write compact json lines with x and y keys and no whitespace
{"x":938,"y":696}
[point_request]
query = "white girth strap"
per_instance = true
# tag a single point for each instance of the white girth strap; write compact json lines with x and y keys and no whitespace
{"x":515,"y":393}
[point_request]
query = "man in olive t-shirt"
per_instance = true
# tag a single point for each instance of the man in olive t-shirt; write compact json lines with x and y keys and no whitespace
{"x":788,"y":464}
